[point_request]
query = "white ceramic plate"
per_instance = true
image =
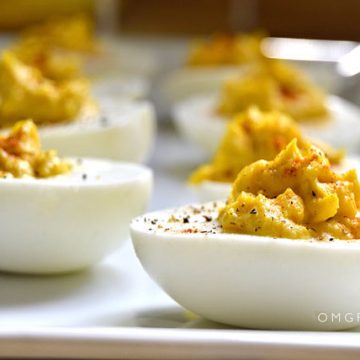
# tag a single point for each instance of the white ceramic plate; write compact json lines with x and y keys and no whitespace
{"x":176,"y":344}
{"x":115,"y":311}
{"x":196,"y":121}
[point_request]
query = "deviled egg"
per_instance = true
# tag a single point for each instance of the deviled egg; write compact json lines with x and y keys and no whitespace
{"x":209,"y":62}
{"x":60,"y":215}
{"x":281,"y":253}
{"x":70,"y":119}
{"x":70,"y":42}
{"x":250,"y":136}
{"x":26,"y":92}
{"x":66,"y":48}
{"x":270,"y":85}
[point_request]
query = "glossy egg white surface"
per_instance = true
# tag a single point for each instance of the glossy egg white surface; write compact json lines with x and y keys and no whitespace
{"x":120,"y":86}
{"x":197,"y":121}
{"x":69,"y":222}
{"x":121,"y":56}
{"x":248,"y":281}
{"x":123,"y":130}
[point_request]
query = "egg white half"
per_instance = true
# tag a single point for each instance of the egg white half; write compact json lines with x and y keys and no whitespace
{"x":249,"y":281}
{"x":121,"y":86}
{"x":71,"y":221}
{"x":197,"y":121}
{"x":121,"y":56}
{"x":123,"y":130}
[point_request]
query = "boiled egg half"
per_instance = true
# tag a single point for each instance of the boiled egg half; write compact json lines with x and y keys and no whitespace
{"x":71,"y":221}
{"x":245,"y":280}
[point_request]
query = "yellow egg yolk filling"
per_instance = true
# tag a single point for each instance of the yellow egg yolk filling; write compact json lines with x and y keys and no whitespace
{"x":53,"y":62}
{"x":273,"y":85}
{"x":75,"y":32}
{"x":251,"y":136}
{"x":296,"y":195}
{"x":26,"y":93}
{"x":223,"y":49}
{"x":57,"y":47}
{"x":21,"y":154}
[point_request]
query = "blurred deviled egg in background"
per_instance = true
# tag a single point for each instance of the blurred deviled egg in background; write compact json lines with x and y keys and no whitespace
{"x":70,"y":119}
{"x":206,"y":63}
{"x":100,"y":54}
{"x":250,"y":136}
{"x":64,"y":47}
{"x":270,"y":85}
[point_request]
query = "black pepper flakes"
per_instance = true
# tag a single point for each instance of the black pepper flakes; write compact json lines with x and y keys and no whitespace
{"x":253,"y":211}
